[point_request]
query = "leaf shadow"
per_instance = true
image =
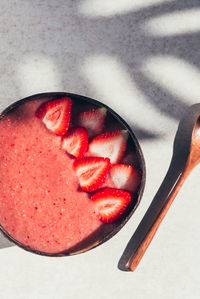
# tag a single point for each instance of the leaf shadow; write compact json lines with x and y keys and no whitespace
{"x":77,"y":36}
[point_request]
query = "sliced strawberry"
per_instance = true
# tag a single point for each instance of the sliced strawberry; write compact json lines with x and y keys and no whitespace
{"x":110,"y":144}
{"x":91,"y":172}
{"x":125,"y":177}
{"x":56,"y":115}
{"x":93,"y":120}
{"x":75,"y":142}
{"x":111,"y":203}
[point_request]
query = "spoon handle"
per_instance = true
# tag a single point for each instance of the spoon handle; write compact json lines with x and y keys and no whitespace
{"x":149,"y":224}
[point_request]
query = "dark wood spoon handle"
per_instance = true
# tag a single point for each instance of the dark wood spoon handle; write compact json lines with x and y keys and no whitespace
{"x":147,"y":228}
{"x":138,"y":254}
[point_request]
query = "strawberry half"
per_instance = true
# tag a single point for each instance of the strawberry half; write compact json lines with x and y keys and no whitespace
{"x":125,"y":177}
{"x":110,"y":144}
{"x":75,"y":142}
{"x":92,"y":172}
{"x":56,"y":115}
{"x":111,"y":203}
{"x":93,"y":120}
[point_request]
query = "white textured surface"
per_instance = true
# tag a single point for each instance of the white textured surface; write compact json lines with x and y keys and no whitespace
{"x":142,"y":59}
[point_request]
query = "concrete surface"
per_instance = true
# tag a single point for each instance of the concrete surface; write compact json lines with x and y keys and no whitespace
{"x":142,"y":59}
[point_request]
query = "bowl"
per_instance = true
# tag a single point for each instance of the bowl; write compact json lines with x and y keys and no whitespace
{"x":100,"y":236}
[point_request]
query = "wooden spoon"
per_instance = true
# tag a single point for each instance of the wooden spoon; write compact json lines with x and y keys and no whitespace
{"x":186,"y":155}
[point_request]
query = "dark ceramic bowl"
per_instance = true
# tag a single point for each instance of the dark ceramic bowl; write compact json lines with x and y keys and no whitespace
{"x":102,"y":234}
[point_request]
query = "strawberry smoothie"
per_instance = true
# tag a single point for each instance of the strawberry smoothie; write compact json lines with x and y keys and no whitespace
{"x":67,"y":174}
{"x":41,"y":204}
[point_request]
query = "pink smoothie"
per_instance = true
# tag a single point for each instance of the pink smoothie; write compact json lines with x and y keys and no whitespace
{"x":41,"y":204}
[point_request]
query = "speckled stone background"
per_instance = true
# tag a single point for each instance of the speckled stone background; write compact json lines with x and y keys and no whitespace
{"x":142,"y":58}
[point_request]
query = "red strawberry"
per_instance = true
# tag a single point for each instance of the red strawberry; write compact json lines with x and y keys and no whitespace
{"x":110,"y":144}
{"x":111,"y":203}
{"x":91,"y":172}
{"x":56,"y":115}
{"x":125,"y":177}
{"x":93,"y":120}
{"x":75,"y":142}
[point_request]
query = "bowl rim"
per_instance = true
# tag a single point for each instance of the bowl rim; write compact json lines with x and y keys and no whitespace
{"x":140,"y":156}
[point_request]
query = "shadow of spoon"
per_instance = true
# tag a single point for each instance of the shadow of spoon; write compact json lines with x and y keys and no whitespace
{"x":186,"y":155}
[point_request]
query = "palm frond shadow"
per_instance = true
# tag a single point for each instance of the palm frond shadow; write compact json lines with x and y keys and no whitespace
{"x":120,"y":36}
